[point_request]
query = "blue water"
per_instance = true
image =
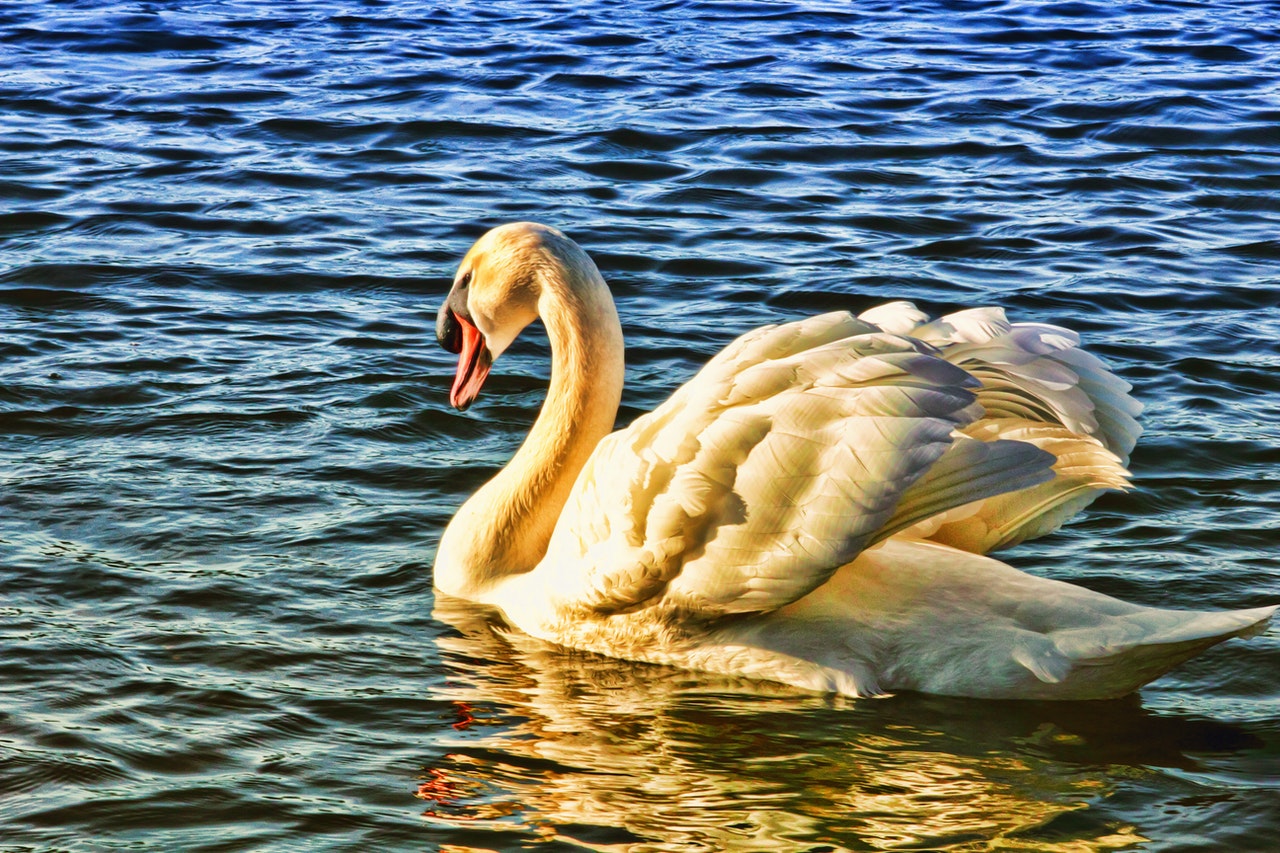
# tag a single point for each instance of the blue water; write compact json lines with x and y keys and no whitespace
{"x":226,"y":451}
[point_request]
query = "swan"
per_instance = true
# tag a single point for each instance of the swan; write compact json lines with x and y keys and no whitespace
{"x":814,"y":507}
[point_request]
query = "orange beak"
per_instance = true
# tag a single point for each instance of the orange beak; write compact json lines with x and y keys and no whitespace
{"x":474,"y":362}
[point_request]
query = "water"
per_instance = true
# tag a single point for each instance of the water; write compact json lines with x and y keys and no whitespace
{"x":226,"y":450}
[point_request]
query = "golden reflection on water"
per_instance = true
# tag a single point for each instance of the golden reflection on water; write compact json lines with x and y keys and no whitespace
{"x":608,"y":755}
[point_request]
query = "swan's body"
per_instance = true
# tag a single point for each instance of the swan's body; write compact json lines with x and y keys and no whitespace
{"x":814,"y":506}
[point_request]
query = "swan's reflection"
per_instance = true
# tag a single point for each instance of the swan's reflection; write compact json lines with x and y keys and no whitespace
{"x":610,"y":755}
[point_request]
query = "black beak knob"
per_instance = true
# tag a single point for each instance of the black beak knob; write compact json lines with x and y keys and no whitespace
{"x":448,"y":331}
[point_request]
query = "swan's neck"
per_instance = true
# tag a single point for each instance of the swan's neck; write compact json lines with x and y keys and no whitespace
{"x":505,"y":527}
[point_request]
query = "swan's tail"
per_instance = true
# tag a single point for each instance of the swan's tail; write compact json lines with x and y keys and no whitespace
{"x":1116,"y":659}
{"x":916,"y":615}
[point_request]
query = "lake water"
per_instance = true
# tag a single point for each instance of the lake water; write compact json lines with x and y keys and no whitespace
{"x":226,"y":451}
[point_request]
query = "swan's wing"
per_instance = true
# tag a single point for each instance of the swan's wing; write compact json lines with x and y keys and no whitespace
{"x":1037,"y":386}
{"x":1029,"y":371}
{"x":1082,"y":469}
{"x":780,"y":461}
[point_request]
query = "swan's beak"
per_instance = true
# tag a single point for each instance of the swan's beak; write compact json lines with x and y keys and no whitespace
{"x":474,"y":360}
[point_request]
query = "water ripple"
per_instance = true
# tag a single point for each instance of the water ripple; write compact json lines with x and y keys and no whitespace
{"x":226,"y":452}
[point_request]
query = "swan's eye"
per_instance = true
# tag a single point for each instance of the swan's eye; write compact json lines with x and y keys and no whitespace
{"x":465,"y":280}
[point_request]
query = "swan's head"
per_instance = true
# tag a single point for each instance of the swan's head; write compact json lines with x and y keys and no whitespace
{"x":496,"y":293}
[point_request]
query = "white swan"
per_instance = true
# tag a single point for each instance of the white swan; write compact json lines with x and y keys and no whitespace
{"x":813,"y":507}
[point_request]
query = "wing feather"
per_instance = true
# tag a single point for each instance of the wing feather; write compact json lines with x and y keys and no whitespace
{"x":1037,"y":387}
{"x":1082,"y":469}
{"x":1037,"y":370}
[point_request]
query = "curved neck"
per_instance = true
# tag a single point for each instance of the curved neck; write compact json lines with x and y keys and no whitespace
{"x":505,"y":527}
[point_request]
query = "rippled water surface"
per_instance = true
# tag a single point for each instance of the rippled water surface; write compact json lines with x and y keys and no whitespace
{"x":226,"y":452}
